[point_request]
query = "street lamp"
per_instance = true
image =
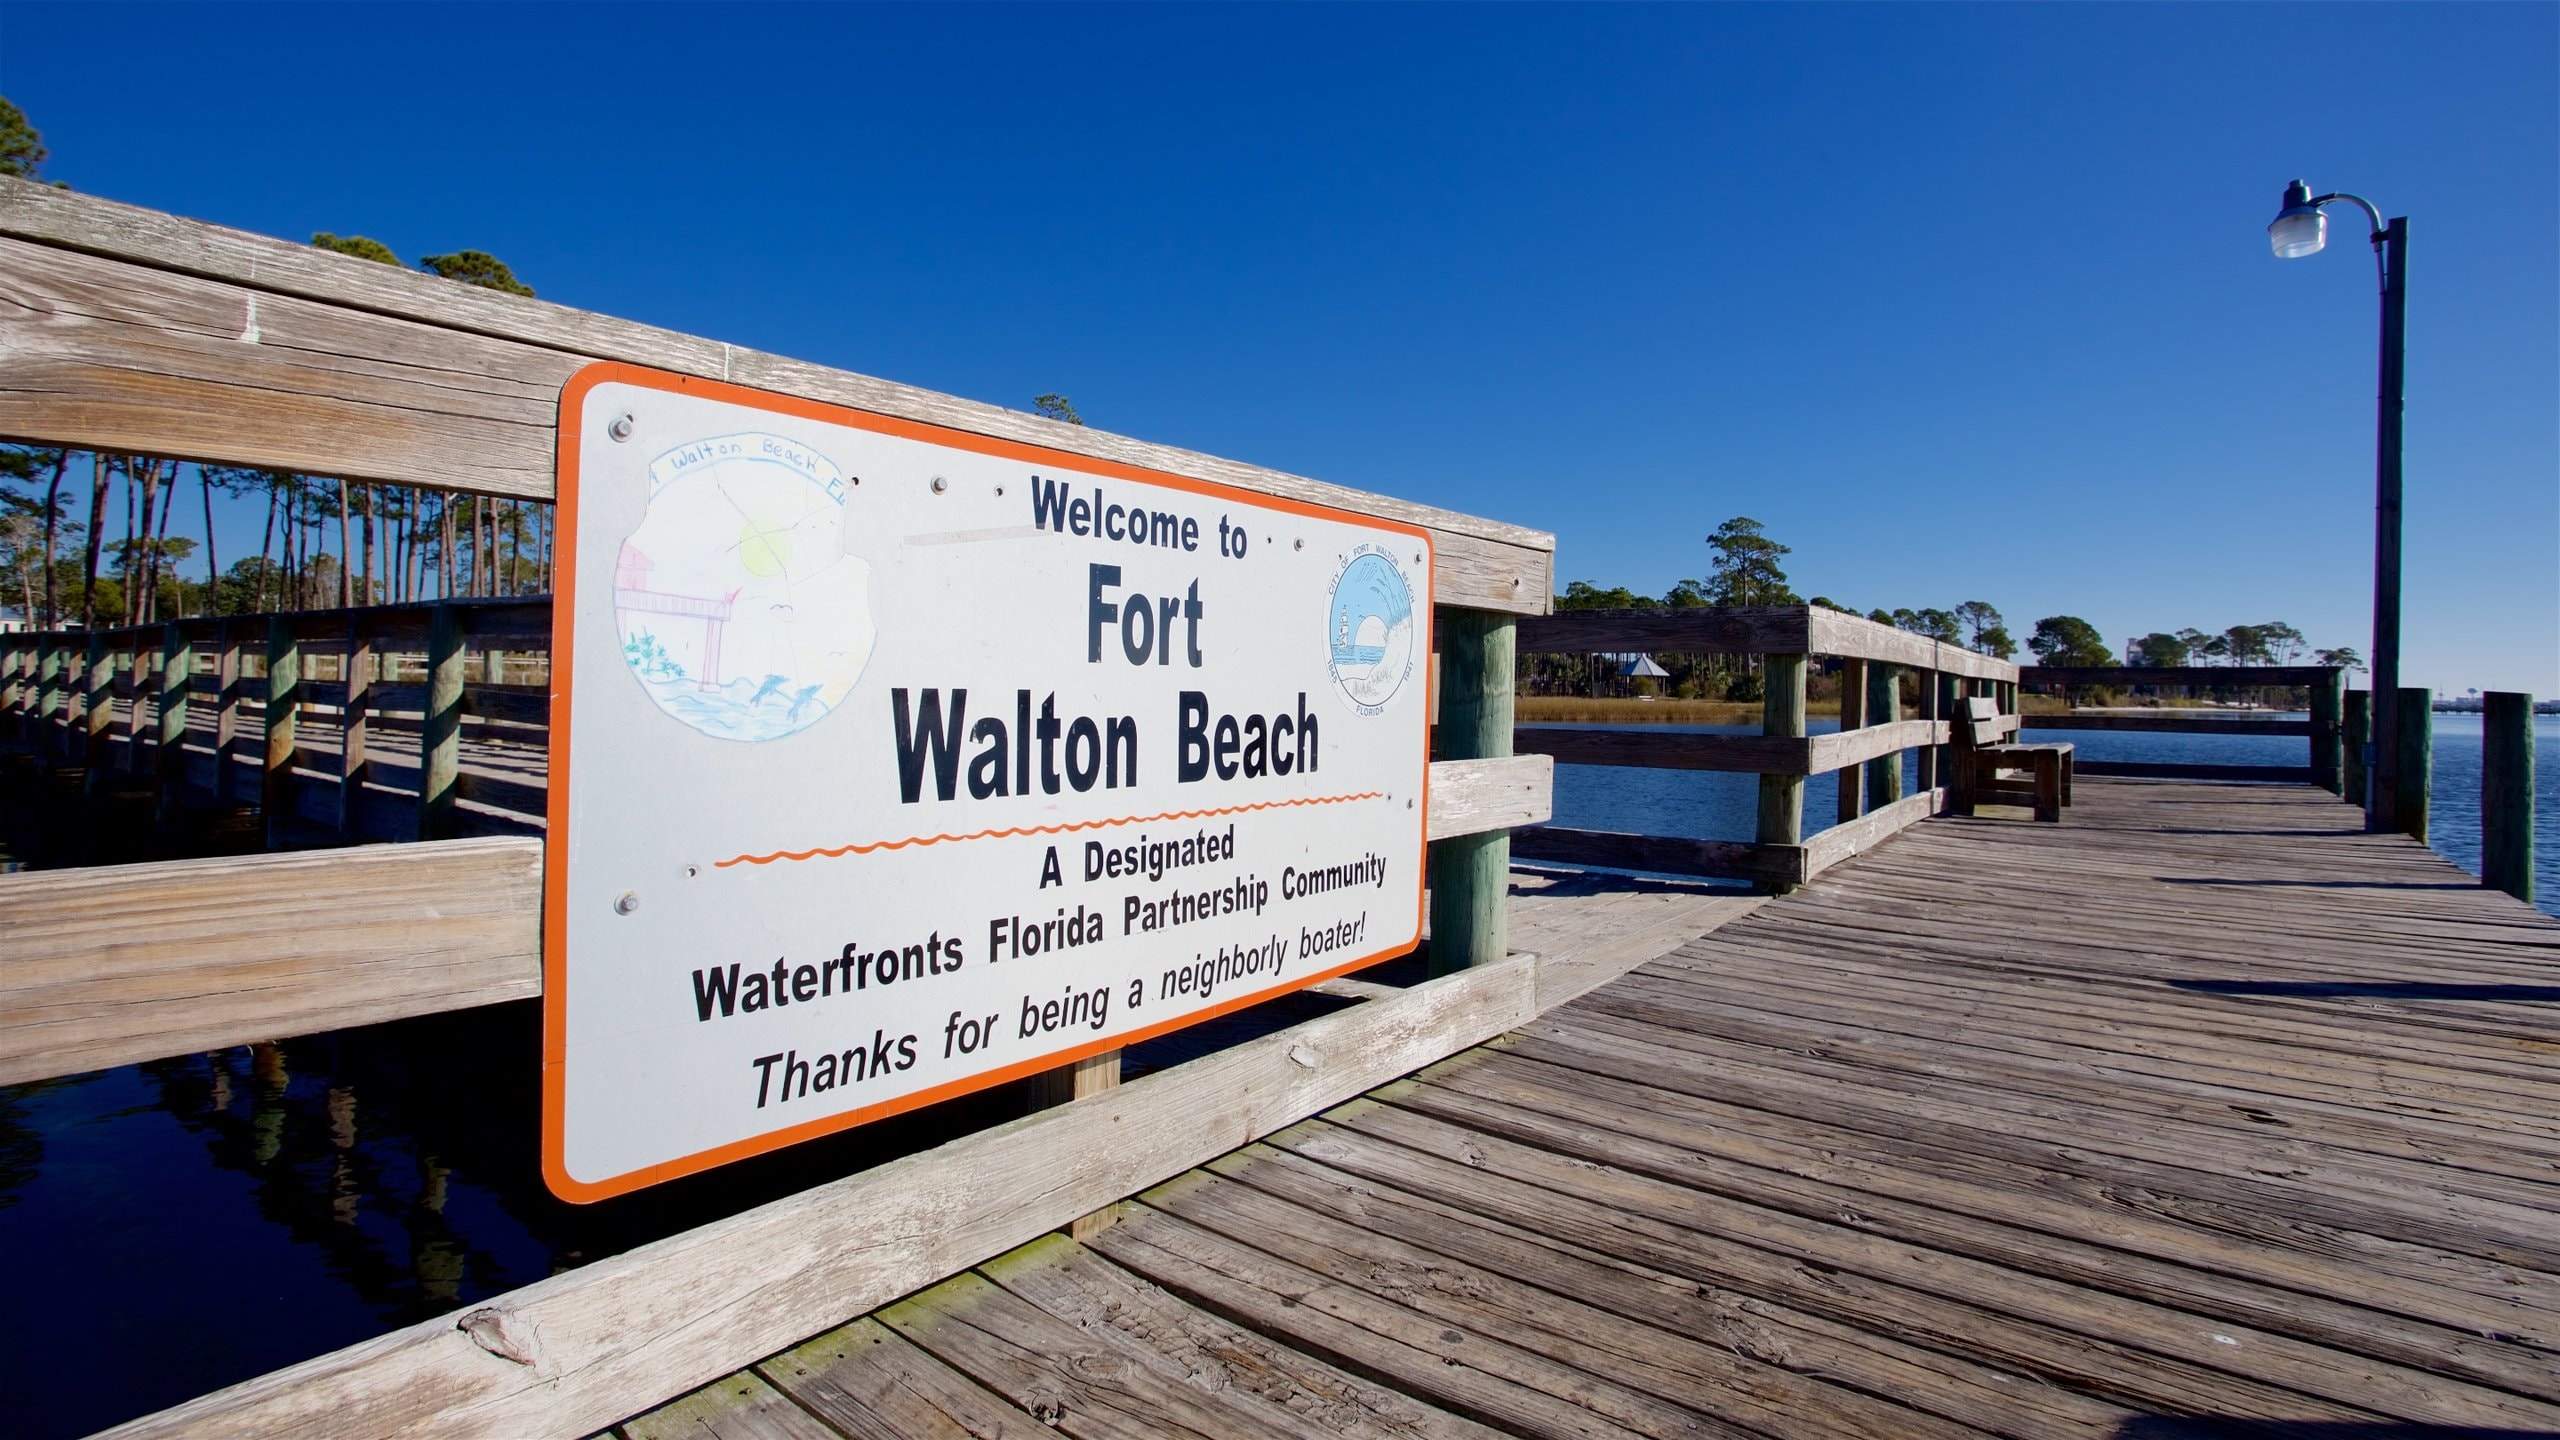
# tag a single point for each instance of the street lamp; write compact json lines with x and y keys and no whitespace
{"x":2301,"y":228}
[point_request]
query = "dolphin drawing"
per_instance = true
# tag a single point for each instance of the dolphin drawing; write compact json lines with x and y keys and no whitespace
{"x":800,"y":702}
{"x":772,"y":686}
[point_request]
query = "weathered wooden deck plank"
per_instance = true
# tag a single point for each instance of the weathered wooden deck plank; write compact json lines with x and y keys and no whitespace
{"x":2203,"y":1108}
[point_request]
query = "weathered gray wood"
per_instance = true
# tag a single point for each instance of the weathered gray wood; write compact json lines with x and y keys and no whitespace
{"x":1471,"y":874}
{"x":1499,"y":793}
{"x":230,"y":700}
{"x":1853,"y":716}
{"x":118,"y":964}
{"x":2168,"y":722}
{"x":97,"y":711}
{"x":740,"y":1407}
{"x":283,"y":714}
{"x":354,"y":717}
{"x":1768,"y":754}
{"x":1838,"y":633}
{"x":1717,"y":630}
{"x":2359,"y":747}
{"x":2506,"y":793}
{"x":179,"y":338}
{"x":2328,"y":764}
{"x":598,"y":1343}
{"x":440,"y":731}
{"x":870,"y":1383}
{"x":1884,"y":708}
{"x":2147,"y":770}
{"x":2417,"y":730}
{"x":177,"y":683}
{"x":1750,"y":630}
{"x":1852,"y":837}
{"x":1782,"y":716}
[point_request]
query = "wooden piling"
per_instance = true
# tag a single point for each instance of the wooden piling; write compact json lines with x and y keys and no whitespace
{"x":227,"y":702}
{"x":97,"y":711}
{"x":284,"y":710}
{"x":2328,"y":761}
{"x":1853,"y":715}
{"x":177,"y":683}
{"x":2357,"y":751}
{"x":1471,"y":874}
{"x":1782,"y":714}
{"x":48,"y":695}
{"x":352,"y":718}
{"x":440,"y":727}
{"x":13,"y":686}
{"x":1884,"y":707}
{"x":2506,"y":793}
{"x":2416,"y":716}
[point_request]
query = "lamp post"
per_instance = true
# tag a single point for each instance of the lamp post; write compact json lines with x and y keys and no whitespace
{"x":2302,"y":228}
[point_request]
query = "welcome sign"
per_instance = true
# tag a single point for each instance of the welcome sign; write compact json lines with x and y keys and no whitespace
{"x":891,"y":762}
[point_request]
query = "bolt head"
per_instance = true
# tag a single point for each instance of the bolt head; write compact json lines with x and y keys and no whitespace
{"x":940,"y":484}
{"x":626,"y":902}
{"x":621,"y":427}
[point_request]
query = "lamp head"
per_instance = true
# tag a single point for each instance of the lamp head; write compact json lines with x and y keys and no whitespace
{"x":2299,"y":228}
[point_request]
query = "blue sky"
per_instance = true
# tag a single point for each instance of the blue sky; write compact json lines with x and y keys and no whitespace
{"x":1962,"y":302}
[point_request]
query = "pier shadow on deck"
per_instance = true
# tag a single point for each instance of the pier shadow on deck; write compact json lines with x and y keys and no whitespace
{"x":2001,"y":1128}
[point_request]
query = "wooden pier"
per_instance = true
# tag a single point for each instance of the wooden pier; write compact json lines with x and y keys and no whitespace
{"x":2202,"y":1107}
{"x":2206,"y":1107}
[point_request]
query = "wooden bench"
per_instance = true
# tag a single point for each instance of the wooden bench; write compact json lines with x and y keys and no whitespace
{"x":1983,"y":751}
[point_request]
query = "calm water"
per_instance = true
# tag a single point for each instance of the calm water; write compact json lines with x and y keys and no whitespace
{"x":224,"y":1215}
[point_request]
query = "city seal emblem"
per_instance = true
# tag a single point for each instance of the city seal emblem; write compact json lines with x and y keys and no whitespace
{"x":1369,"y":629}
{"x":741,"y":611}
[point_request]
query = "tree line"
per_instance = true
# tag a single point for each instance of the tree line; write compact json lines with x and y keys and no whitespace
{"x":394,"y":544}
{"x":1745,"y":568}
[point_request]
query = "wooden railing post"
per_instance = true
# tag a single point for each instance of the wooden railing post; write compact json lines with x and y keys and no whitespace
{"x":50,"y":699}
{"x":2506,"y":793}
{"x":1884,"y":706}
{"x":284,"y":710}
{"x":440,"y":726}
{"x":13,"y":686}
{"x":1853,"y":715}
{"x":352,"y":717}
{"x":2417,"y":743}
{"x":1471,"y":874}
{"x":227,"y":701}
{"x":142,"y":683}
{"x":2356,"y":751}
{"x":1931,"y":710}
{"x":1782,"y":796}
{"x":97,"y":711}
{"x":2328,"y":761}
{"x":177,"y":684}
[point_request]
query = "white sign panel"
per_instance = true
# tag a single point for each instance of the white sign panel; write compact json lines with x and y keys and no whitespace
{"x":890,"y":762}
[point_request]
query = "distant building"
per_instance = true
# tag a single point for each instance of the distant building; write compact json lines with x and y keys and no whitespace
{"x":11,"y":622}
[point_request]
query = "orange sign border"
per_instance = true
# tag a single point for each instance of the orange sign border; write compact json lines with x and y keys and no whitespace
{"x":555,"y":851}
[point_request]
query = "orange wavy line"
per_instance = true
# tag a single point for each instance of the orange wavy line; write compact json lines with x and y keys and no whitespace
{"x":832,"y":852}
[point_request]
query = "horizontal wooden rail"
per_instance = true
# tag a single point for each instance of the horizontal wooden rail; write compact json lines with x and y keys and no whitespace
{"x":183,"y":339}
{"x":577,"y":1352}
{"x":2200,"y":677}
{"x":1759,"y":864}
{"x":2143,"y":770}
{"x":2169,"y":722}
{"x":1751,"y":630}
{"x":124,"y":963}
{"x":1753,"y":754}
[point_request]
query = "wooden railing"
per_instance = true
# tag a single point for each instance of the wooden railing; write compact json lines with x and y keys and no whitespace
{"x":1881,"y":718}
{"x":133,"y":332}
{"x":366,"y":743}
{"x":2336,"y":757}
